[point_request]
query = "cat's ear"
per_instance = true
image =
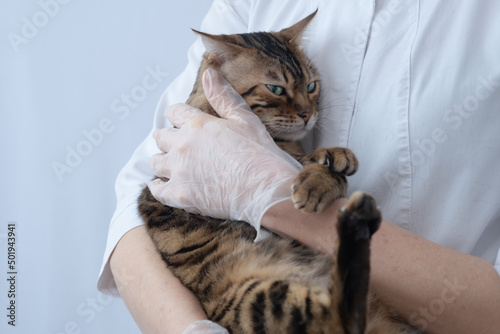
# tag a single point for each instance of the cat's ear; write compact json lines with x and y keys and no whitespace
{"x":219,"y":48}
{"x":293,"y":33}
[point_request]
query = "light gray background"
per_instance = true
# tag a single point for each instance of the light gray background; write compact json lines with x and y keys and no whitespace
{"x":58,"y":81}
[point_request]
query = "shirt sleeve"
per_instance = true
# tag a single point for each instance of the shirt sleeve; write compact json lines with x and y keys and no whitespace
{"x":223,"y":16}
{"x":497,"y":263}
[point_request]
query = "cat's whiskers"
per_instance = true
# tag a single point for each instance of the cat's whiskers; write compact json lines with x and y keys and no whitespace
{"x":324,"y":114}
{"x":321,"y":128}
{"x":334,"y":103}
{"x":276,"y":134}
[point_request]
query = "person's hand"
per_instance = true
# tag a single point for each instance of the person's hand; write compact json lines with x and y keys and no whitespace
{"x":204,"y":327}
{"x":226,"y":167}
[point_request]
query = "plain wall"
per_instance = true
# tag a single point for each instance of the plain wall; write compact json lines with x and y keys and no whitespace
{"x":66,"y":68}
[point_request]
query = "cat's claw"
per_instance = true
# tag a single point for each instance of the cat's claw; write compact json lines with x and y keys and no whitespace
{"x":322,"y":180}
{"x":339,"y":160}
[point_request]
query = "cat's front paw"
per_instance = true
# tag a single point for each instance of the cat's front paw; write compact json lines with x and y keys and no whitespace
{"x":316,"y":187}
{"x":339,"y":160}
{"x":323,"y":178}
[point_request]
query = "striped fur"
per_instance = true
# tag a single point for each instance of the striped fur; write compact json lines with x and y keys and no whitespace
{"x":276,"y":285}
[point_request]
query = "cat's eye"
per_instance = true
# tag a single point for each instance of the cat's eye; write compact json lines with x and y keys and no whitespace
{"x":276,"y":89}
{"x":311,"y":87}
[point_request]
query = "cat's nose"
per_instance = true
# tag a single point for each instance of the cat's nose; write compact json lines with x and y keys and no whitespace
{"x":305,"y":115}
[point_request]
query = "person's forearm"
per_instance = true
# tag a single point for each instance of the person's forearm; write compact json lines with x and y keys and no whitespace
{"x":316,"y":230}
{"x":157,"y":300}
{"x":430,"y":285}
{"x":436,"y":288}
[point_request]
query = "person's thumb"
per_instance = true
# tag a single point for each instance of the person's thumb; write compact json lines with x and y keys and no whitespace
{"x":224,"y":99}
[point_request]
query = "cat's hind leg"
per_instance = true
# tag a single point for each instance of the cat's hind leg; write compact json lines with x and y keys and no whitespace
{"x":357,"y":222}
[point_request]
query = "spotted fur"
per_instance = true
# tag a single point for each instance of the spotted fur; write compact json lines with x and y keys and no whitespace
{"x":275,"y":285}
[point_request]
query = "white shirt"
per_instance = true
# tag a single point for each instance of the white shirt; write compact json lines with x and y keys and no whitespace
{"x":412,"y":87}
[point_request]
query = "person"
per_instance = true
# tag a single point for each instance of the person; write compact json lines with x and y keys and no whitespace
{"x":412,"y":88}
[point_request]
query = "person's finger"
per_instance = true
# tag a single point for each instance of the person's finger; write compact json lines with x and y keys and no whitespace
{"x":179,"y":114}
{"x":172,"y":194}
{"x":224,"y":99}
{"x":166,"y":138}
{"x":162,"y":191}
{"x":161,"y":166}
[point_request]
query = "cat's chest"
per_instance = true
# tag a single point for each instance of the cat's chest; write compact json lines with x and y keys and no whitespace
{"x":291,"y":147}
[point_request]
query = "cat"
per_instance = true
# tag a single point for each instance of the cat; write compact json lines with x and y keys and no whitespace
{"x":276,"y":285}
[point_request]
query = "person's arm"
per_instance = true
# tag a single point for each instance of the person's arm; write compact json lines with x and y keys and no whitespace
{"x":156,"y":299}
{"x":430,"y":285}
{"x":435,"y":288}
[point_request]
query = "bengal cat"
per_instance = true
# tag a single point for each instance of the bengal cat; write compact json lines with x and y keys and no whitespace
{"x":276,"y":285}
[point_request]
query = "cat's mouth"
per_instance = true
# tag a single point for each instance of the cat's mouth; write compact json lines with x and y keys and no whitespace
{"x":291,"y":133}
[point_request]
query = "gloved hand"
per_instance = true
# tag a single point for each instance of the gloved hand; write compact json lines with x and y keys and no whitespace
{"x":204,"y":327}
{"x":226,"y":167}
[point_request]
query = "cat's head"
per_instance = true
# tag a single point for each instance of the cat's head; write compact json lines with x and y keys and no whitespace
{"x":273,"y":75}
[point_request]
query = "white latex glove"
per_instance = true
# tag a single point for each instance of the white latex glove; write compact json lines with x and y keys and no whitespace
{"x":226,"y":167}
{"x":204,"y":327}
